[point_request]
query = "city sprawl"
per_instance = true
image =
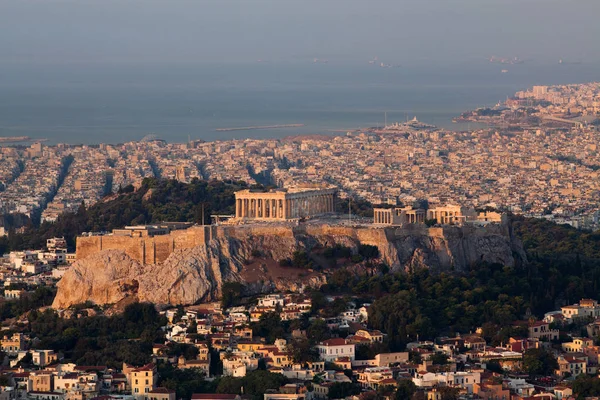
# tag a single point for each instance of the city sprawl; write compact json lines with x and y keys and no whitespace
{"x":538,"y":157}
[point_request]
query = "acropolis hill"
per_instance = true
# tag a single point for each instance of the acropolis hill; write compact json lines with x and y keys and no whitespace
{"x":190,"y":265}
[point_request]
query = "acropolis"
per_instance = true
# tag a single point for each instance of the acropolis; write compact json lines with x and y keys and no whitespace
{"x":283,"y":204}
{"x":443,"y":215}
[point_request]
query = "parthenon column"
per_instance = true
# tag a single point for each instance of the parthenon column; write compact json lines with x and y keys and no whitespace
{"x":272,"y":205}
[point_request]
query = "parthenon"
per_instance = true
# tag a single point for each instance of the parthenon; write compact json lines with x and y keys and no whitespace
{"x":283,"y":204}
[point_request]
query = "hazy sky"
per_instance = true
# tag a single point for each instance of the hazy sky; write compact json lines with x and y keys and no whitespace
{"x":397,"y":31}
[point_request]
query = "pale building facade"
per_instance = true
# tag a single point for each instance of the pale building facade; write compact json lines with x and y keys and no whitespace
{"x":283,"y":204}
{"x":443,"y":215}
{"x":452,"y":214}
{"x":399,"y":216}
{"x":332,"y":349}
{"x":143,"y":380}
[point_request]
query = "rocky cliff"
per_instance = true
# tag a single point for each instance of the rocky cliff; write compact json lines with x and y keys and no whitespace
{"x":249,"y":254}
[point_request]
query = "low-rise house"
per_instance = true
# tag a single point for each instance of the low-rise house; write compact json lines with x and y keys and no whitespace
{"x":519,"y":387}
{"x":160,"y":393}
{"x":331,"y":349}
{"x":491,"y":392}
{"x":14,"y":344}
{"x":571,"y":365}
{"x":465,"y":380}
{"x":577,"y":345}
{"x":373,"y":378}
{"x":563,"y":392}
{"x":203,"y":365}
{"x":474,"y":342}
{"x":40,"y":381}
{"x":143,"y":380}
{"x":373,"y":336}
{"x":541,"y":330}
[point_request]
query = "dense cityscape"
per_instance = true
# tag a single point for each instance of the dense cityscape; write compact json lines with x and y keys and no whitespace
{"x":538,"y":159}
{"x":349,"y":328}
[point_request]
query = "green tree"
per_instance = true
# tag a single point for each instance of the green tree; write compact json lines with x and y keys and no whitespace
{"x":302,"y":351}
{"x":269,"y":326}
{"x":340,"y":390}
{"x":539,"y":362}
{"x":232,"y":293}
{"x":318,"y":331}
{"x":586,"y":386}
{"x":405,"y":390}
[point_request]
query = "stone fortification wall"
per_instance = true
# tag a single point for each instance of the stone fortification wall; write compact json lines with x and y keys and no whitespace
{"x":147,"y":250}
{"x":405,"y":248}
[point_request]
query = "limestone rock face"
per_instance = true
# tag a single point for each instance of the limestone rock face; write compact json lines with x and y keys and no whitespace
{"x":249,"y":254}
{"x":186,"y":277}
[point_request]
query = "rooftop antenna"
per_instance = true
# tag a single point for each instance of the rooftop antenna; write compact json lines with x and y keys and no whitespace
{"x":385,"y":119}
{"x":189,"y":138}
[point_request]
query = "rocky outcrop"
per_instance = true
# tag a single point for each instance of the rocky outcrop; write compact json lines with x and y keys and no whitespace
{"x":249,"y":254}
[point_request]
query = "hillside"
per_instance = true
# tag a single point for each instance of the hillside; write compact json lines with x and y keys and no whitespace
{"x":192,"y":265}
{"x":154,"y":201}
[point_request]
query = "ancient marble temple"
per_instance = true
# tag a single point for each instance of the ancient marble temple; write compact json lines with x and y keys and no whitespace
{"x":283,"y":204}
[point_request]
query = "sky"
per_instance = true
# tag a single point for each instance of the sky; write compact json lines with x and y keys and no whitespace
{"x":238,"y":31}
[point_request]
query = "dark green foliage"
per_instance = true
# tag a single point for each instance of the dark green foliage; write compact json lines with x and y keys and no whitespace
{"x":184,"y":381}
{"x":494,"y":366}
{"x":564,"y":263}
{"x":285,"y":262}
{"x":368,"y":252}
{"x":269,"y":326}
{"x":41,"y":296}
{"x":439,"y":358}
{"x":170,"y":200}
{"x":4,"y":380}
{"x":405,"y":390}
{"x":358,"y":207}
{"x":586,"y":386}
{"x":369,"y":351}
{"x":428,"y":305}
{"x":337,"y":251}
{"x":301,"y":259}
{"x":232,"y":294}
{"x":255,"y":383}
{"x":26,"y":361}
{"x":101,"y":340}
{"x":302,"y":350}
{"x":539,"y":362}
{"x":188,"y":351}
{"x":449,"y":393}
{"x":318,"y":331}
{"x":340,"y":390}
{"x":318,"y":302}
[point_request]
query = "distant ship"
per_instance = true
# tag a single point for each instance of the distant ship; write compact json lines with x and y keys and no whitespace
{"x":504,"y":71}
{"x":563,"y":62}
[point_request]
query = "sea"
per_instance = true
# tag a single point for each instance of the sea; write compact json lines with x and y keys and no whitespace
{"x":84,"y":103}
